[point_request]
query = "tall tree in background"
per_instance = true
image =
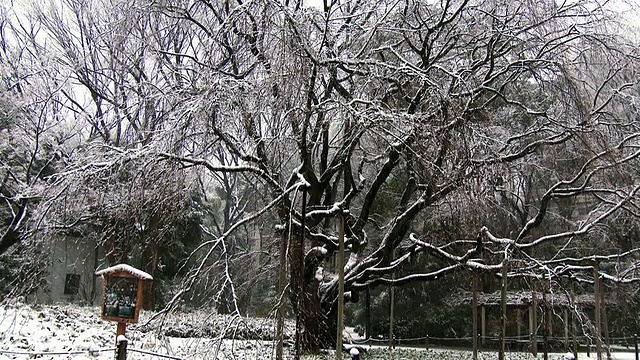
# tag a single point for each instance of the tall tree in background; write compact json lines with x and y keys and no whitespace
{"x":127,"y":86}
{"x":34,"y":138}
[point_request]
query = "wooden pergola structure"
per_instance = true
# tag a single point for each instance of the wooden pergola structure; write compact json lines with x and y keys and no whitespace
{"x":530,"y":301}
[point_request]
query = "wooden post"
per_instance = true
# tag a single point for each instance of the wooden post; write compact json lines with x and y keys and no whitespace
{"x":565,"y":318}
{"x":519,"y":323}
{"x":483,"y":325}
{"x":545,"y":319}
{"x":574,"y":329}
{"x":534,"y":322}
{"x":121,"y":352}
{"x":121,"y":330}
{"x":603,"y":307}
{"x":367,"y":314}
{"x":503,"y":307}
{"x":531,"y":327}
{"x":392,"y":295}
{"x":426,"y":345}
{"x":635,"y":345}
{"x":340,"y":285}
{"x":474,"y":306}
{"x":300,"y":296}
{"x":596,"y":293}
{"x":282,"y":286}
{"x":391,"y":306}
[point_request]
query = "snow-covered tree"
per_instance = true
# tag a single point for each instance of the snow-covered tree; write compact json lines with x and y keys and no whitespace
{"x":386,"y":112}
{"x":516,"y":121}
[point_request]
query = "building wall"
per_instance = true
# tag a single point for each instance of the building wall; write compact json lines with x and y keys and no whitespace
{"x":73,"y":261}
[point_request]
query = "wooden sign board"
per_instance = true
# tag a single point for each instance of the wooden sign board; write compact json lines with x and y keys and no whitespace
{"x":122,"y":293}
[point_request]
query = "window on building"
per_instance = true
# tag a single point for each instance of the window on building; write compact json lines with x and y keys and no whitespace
{"x":72,"y":284}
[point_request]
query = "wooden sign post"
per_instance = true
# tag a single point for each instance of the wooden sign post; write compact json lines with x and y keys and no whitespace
{"x":122,"y":294}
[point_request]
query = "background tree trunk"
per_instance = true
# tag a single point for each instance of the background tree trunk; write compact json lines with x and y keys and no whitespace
{"x":150,"y":260}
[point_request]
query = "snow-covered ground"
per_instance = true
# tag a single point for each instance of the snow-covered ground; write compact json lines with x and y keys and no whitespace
{"x":52,"y":329}
{"x":74,"y":332}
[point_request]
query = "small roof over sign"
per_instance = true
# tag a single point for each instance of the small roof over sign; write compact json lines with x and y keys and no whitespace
{"x":125,"y":268}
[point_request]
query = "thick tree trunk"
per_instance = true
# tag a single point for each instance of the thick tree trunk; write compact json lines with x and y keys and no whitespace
{"x":8,"y":239}
{"x":12,"y":235}
{"x":150,"y":261}
{"x":319,"y":322}
{"x":300,"y":296}
{"x":317,"y":312}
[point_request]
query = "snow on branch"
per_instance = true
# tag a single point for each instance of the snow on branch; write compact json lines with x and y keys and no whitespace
{"x":431,"y":276}
{"x":585,"y":227}
{"x":328,"y":211}
{"x":394,"y":265}
{"x":588,"y":260}
{"x":223,"y":168}
{"x":491,"y":238}
{"x":439,"y":251}
{"x":301,"y":178}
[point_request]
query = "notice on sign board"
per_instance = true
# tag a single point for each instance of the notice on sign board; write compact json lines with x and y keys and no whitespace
{"x":122,"y":292}
{"x":120,"y":297}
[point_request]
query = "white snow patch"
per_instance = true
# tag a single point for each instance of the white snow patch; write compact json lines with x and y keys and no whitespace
{"x":303,"y":181}
{"x":319,"y":276}
{"x":59,"y":329}
{"x":301,"y":178}
{"x":125,"y":268}
{"x":351,"y":263}
{"x":319,"y":249}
